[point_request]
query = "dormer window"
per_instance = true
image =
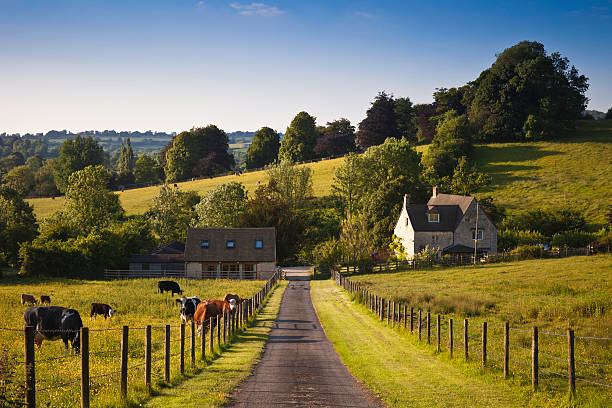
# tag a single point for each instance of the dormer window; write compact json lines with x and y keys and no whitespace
{"x":204,"y":244}
{"x":433,"y":217}
{"x":258,"y":244}
{"x":230,"y":244}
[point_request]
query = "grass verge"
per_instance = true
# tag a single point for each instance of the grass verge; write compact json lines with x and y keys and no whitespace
{"x":212,"y":386}
{"x":404,"y":372}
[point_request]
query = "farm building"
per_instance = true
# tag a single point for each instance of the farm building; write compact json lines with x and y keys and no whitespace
{"x":234,"y":253}
{"x":163,"y":259}
{"x":447,"y":222}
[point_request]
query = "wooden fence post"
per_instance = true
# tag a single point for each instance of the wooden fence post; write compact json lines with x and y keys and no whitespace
{"x":534,"y":359}
{"x":148,"y":357}
{"x":182,"y":356}
{"x":167,"y":354}
{"x":506,"y":348}
{"x":30,"y":370}
{"x":84,"y":367}
{"x":211,"y":337}
{"x":438,"y":333}
{"x":219,"y":332}
{"x":224,"y":327}
{"x":450,"y":337}
{"x":465,"y":338}
{"x":484,"y":344}
{"x":192,"y":342}
{"x":405,"y":317}
{"x":124,"y":361}
{"x":392,"y":314}
{"x":388,"y":311}
{"x":411,"y":319}
{"x":571,"y":371}
{"x":428,"y":327}
{"x":203,"y":343}
{"x":419,"y":325}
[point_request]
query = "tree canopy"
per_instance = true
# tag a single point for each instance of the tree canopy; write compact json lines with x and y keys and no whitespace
{"x":338,"y":137}
{"x":380,"y":122}
{"x":17,"y":224}
{"x":74,"y":155}
{"x":264,"y":148}
{"x":171,"y":212}
{"x":300,"y":139}
{"x":223,"y":207}
{"x":146,"y":169}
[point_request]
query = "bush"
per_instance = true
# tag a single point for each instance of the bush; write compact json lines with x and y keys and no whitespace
{"x":548,"y":222}
{"x":573,"y":239}
{"x":327,"y":254}
{"x":510,"y":239}
{"x":528,"y":251}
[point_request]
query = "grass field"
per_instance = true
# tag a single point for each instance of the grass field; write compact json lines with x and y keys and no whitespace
{"x":136,"y":303}
{"x":552,"y":294}
{"x":404,"y":372}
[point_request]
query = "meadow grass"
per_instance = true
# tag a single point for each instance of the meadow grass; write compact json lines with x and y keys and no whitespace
{"x":137,"y":304}
{"x":404,"y":372}
{"x":213,"y":386}
{"x":552,"y":294}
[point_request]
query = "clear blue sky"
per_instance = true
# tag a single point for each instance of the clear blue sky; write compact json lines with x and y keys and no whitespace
{"x":170,"y":65}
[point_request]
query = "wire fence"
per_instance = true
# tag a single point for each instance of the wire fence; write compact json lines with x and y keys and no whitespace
{"x":555,"y":361}
{"x":112,"y":357}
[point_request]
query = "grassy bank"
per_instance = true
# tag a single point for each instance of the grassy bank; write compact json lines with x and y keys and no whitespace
{"x":137,"y":304}
{"x":213,"y":385}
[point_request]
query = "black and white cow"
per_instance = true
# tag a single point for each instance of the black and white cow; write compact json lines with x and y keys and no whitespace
{"x":188,"y":307}
{"x":54,"y":323}
{"x":169,"y":286}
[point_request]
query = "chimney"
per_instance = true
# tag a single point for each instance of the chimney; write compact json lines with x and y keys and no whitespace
{"x":406,"y":201}
{"x":435,"y":191}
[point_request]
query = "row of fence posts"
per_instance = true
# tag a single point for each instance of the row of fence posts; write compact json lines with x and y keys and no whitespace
{"x":389,"y":310}
{"x":232,"y":323}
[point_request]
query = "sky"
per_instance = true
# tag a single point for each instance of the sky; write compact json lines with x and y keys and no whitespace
{"x":171,"y":65}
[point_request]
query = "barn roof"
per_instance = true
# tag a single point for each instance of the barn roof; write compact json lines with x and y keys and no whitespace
{"x":244,"y":249}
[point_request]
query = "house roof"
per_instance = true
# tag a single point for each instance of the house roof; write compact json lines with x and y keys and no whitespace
{"x":451,"y":199}
{"x":171,"y":248}
{"x":244,"y":245}
{"x":170,"y":253}
{"x":449,"y":215}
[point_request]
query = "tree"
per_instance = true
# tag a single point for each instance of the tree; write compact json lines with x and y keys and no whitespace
{"x":264,"y":148}
{"x":609,"y":114}
{"x":198,"y":152}
{"x":338,"y":137}
{"x":20,"y":179}
{"x":300,"y":139}
{"x":17,"y":224}
{"x":355,"y":239}
{"x":126,"y":164}
{"x":223,"y":207}
{"x":405,"y":118}
{"x":146,"y":169}
{"x":466,"y":179}
{"x":527,"y":93}
{"x":171,"y":212}
{"x":44,"y":181}
{"x":426,"y":127}
{"x":88,"y":203}
{"x":291,"y":182}
{"x":380,"y":122}
{"x":346,"y":186}
{"x":74,"y":155}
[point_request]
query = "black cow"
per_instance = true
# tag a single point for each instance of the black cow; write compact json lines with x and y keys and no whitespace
{"x":188,"y":307}
{"x":54,"y":323}
{"x":100,"y":309}
{"x":169,"y":286}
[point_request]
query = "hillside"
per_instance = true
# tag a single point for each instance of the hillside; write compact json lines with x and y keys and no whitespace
{"x":575,"y":171}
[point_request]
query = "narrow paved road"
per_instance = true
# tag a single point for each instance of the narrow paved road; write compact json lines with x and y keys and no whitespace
{"x":300,"y":367}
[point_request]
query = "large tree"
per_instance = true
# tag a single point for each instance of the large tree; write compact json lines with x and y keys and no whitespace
{"x":338,"y":137}
{"x":380,"y":122}
{"x":74,"y":155}
{"x":146,"y":169}
{"x":527,"y":93}
{"x":264,"y":148}
{"x":171,"y":212}
{"x":292,"y":183}
{"x":405,"y":116}
{"x":223,"y":207}
{"x":609,"y":114}
{"x":300,"y":139}
{"x":17,"y":224}
{"x":20,"y":178}
{"x":199,"y":152}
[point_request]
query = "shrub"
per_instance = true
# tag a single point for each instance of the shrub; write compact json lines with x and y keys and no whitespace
{"x":548,"y":222}
{"x":510,"y":239}
{"x":573,"y":239}
{"x":528,"y":251}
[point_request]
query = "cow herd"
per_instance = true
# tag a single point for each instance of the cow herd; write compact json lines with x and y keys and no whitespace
{"x":57,"y":322}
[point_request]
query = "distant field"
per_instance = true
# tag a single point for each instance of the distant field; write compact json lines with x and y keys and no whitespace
{"x":575,"y":171}
{"x":137,"y":304}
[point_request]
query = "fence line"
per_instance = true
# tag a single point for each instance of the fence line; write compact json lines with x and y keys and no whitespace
{"x":232,"y":323}
{"x":396,"y":314}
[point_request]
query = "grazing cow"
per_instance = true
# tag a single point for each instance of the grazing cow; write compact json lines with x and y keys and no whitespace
{"x":188,"y":307}
{"x":100,"y":309}
{"x":54,"y":323}
{"x":169,"y":286}
{"x":236,"y":300}
{"x":27,"y":299}
{"x":45,"y":299}
{"x":207,"y":310}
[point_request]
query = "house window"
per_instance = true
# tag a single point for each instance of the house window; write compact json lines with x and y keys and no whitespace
{"x":480,"y":235}
{"x":258,"y":244}
{"x":433,"y":217}
{"x":230,"y":244}
{"x":204,"y":244}
{"x":248,"y":267}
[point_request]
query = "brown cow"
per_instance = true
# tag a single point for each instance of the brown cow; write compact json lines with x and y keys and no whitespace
{"x":27,"y":299}
{"x":207,"y":310}
{"x":45,"y":299}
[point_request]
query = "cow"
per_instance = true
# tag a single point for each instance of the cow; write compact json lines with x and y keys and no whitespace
{"x":45,"y":299}
{"x":27,"y":299}
{"x":54,"y":323}
{"x":188,"y":307}
{"x":169,"y":286}
{"x":233,"y":300}
{"x":100,"y":309}
{"x":207,"y":310}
